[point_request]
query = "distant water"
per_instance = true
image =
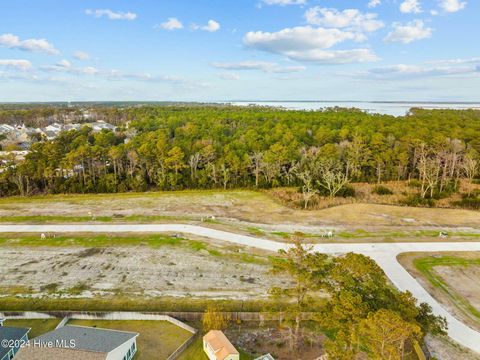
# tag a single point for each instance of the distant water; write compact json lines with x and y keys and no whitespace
{"x":387,"y":108}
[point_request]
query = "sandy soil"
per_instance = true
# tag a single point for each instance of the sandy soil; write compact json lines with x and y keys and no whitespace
{"x":131,"y":271}
{"x":462,"y":281}
{"x":242,"y":206}
{"x":442,"y":348}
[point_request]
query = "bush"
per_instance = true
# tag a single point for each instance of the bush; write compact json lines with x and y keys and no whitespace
{"x":346,"y":191}
{"x":382,"y":190}
{"x":414,"y":184}
{"x":417,"y":200}
{"x":468,"y":203}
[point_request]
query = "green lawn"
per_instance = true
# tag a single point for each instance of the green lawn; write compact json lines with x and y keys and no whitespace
{"x":195,"y":352}
{"x":426,"y":266}
{"x":157,"y":339}
{"x":38,"y":327}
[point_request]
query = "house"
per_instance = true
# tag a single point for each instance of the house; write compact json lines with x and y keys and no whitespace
{"x":218,"y":347}
{"x":80,"y":342}
{"x":265,"y":357}
{"x":17,"y":337}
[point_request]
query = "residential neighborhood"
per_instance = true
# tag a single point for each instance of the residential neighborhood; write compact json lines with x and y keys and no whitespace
{"x":20,"y":137}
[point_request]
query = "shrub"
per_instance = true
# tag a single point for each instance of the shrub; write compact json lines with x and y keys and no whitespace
{"x":417,"y":200}
{"x":346,"y":191}
{"x":382,"y":190}
{"x":414,"y":184}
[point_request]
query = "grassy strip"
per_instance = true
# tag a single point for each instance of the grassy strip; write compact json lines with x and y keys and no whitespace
{"x":38,"y":326}
{"x":137,"y":304}
{"x":45,"y":219}
{"x":426,"y":266}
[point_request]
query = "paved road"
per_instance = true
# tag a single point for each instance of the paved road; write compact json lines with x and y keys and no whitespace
{"x":383,"y":253}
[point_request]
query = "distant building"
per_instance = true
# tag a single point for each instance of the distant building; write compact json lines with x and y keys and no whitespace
{"x":218,"y":347}
{"x":14,"y":335}
{"x":79,"y":342}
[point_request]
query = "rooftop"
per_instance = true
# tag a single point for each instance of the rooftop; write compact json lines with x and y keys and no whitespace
{"x":88,"y":338}
{"x":221,"y":346}
{"x":10,"y":333}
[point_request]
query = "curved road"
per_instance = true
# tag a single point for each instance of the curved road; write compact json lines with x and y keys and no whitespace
{"x":385,"y":254}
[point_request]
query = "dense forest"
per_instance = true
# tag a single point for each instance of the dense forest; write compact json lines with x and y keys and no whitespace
{"x":180,"y":147}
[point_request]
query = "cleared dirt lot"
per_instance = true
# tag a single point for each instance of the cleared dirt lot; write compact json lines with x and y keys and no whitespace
{"x":234,"y":206}
{"x":178,"y":271}
{"x":452,"y":278}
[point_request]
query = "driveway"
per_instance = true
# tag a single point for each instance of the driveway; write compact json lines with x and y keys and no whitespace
{"x":385,"y":254}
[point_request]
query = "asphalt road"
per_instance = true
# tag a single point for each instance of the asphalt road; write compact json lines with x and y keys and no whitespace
{"x":383,"y":253}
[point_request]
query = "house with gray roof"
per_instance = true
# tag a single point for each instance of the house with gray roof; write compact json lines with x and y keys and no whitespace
{"x":14,"y":337}
{"x":80,"y":342}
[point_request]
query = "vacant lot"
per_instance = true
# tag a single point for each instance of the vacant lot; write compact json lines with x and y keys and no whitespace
{"x":226,"y":206}
{"x":156,"y":339}
{"x":452,"y":278}
{"x":149,"y":266}
{"x":38,"y":326}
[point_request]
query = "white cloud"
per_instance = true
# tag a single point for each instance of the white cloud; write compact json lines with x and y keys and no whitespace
{"x":284,"y":2}
{"x":410,"y":71}
{"x":33,"y":45}
{"x":452,"y":6}
{"x":309,"y":44}
{"x":374,"y":3}
{"x":81,"y":55}
{"x":17,"y":64}
{"x":455,"y":61}
{"x":350,"y":19}
{"x":409,"y":32}
{"x":171,"y":24}
{"x":267,"y":67}
{"x":211,"y":26}
{"x":67,"y":67}
{"x":228,"y":76}
{"x":112,"y":15}
{"x":334,"y":56}
{"x":410,"y":7}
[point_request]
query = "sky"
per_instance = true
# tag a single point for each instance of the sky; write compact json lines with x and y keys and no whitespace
{"x":227,"y":50}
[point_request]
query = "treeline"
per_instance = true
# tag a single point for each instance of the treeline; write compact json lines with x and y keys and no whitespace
{"x":204,"y":147}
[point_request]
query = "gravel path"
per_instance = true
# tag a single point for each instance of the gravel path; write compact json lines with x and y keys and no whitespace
{"x":383,"y":253}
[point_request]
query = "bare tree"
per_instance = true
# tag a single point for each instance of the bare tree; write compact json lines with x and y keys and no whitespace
{"x":308,"y":188}
{"x":332,"y":176}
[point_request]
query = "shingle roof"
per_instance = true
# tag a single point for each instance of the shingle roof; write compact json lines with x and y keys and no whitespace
{"x":10,"y":333}
{"x":88,"y":338}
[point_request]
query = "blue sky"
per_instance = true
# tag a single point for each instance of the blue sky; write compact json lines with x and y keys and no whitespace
{"x":221,"y":50}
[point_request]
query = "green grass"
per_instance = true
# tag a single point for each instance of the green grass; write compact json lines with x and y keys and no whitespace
{"x":47,"y":219}
{"x":100,"y":240}
{"x":426,"y":266}
{"x":119,"y":303}
{"x":156,"y":340}
{"x":38,"y":326}
{"x":195,"y":352}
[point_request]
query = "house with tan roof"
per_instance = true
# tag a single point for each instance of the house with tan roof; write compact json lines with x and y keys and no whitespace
{"x":218,"y":347}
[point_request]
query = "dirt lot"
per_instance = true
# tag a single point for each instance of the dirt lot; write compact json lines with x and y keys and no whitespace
{"x":135,"y":270}
{"x":230,"y":206}
{"x":452,"y":278}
